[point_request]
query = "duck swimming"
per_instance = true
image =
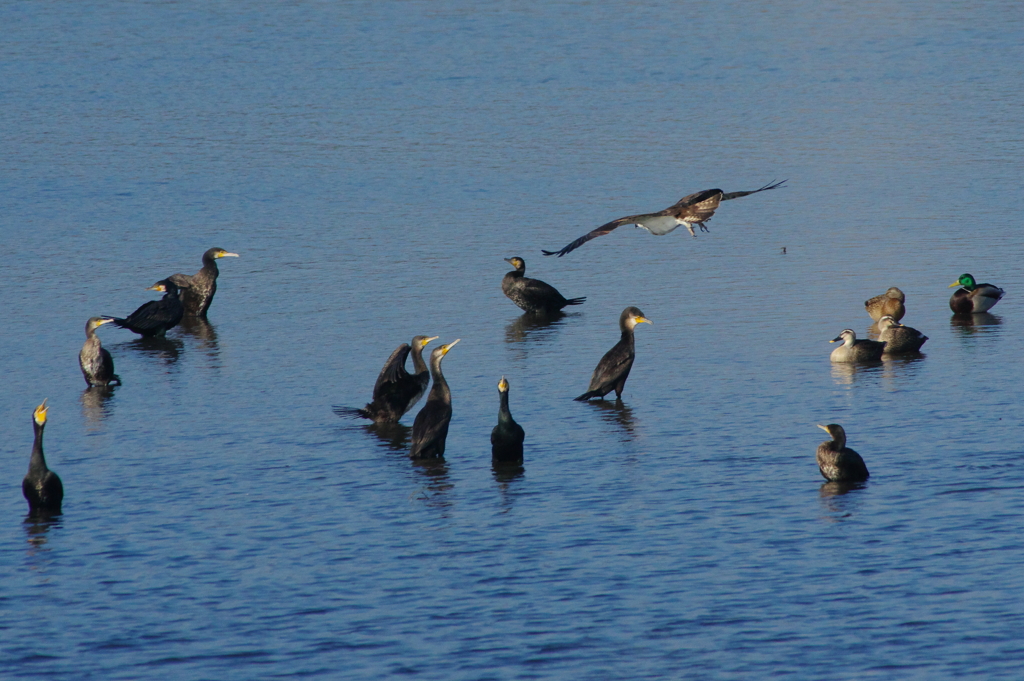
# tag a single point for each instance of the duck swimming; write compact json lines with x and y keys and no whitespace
{"x":836,"y":461}
{"x":973,"y":297}
{"x":899,"y":339}
{"x":889,"y":303}
{"x":853,"y":350}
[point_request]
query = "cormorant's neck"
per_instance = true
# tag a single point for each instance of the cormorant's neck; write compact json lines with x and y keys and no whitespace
{"x":418,"y":365}
{"x":503,"y":413}
{"x":839,"y":442}
{"x":210,"y":264}
{"x":440,"y":387}
{"x":627,"y":337}
{"x":516,"y":274}
{"x":37,"y":464}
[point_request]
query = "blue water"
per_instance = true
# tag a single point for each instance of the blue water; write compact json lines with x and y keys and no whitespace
{"x":373,"y":163}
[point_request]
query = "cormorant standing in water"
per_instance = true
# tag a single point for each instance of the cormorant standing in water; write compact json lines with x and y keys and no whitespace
{"x":96,"y":363}
{"x":41,"y":487}
{"x":533,"y":295}
{"x":396,"y":391}
{"x":973,"y":297}
{"x":156,"y":317}
{"x":613,"y":369}
{"x":688,"y":211}
{"x":430,"y":429}
{"x":836,"y":461}
{"x":198,"y":288}
{"x":507,"y":437}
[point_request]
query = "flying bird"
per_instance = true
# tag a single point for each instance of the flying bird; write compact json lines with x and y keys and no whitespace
{"x":695,"y":209}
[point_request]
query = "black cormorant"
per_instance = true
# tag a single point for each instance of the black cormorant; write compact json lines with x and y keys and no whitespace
{"x":899,"y":339}
{"x":96,"y":363}
{"x":156,"y":317}
{"x":837,"y":462}
{"x":613,"y":369}
{"x":507,"y":437}
{"x":854,"y":350}
{"x":533,"y":295}
{"x":41,"y":487}
{"x":973,"y":297}
{"x":694,"y":209}
{"x":198,"y":289}
{"x":396,"y":391}
{"x":430,"y":429}
{"x":890,"y":303}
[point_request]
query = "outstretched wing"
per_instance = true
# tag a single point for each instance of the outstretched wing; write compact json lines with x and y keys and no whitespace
{"x":393,"y":369}
{"x":602,"y":230}
{"x":735,"y":195}
{"x":181,"y":280}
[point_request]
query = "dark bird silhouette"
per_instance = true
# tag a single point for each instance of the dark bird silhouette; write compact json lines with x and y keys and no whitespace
{"x":854,"y":350}
{"x":507,"y":437}
{"x":695,"y":209}
{"x":156,"y":317}
{"x":533,"y":295}
{"x":41,"y":487}
{"x":891,"y":303}
{"x":836,"y":461}
{"x":430,"y":428}
{"x":973,"y":297}
{"x":396,"y":391}
{"x":198,"y":289}
{"x":96,"y":363}
{"x":613,"y":369}
{"x":899,"y":339}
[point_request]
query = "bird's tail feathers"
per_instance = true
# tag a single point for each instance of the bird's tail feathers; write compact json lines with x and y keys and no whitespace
{"x":587,"y":395}
{"x":351,"y":412}
{"x":575,"y":301}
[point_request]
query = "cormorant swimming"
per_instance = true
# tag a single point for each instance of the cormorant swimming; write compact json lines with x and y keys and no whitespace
{"x":853,"y":350}
{"x":688,"y":211}
{"x":973,"y":297}
{"x":396,"y":391}
{"x":533,"y":295}
{"x":198,"y":289}
{"x":613,"y":369}
{"x":430,"y":429}
{"x":96,"y":363}
{"x":507,"y":437}
{"x":890,"y":303}
{"x":41,"y":487}
{"x":899,"y":339}
{"x":836,"y":461}
{"x":156,"y":317}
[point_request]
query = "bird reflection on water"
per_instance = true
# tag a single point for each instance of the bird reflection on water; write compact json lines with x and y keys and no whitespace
{"x":167,"y":350}
{"x":434,"y":491}
{"x":835,"y":502}
{"x":37,"y":525}
{"x":618,"y":414}
{"x":846,"y":373}
{"x":975,"y":324}
{"x":392,"y":436}
{"x":94,"y":403}
{"x":205,"y":333}
{"x":534,"y":326}
{"x":505,"y":473}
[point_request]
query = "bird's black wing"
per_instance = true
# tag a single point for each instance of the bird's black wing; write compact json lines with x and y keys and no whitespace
{"x":151,"y":316}
{"x":394,"y":368}
{"x":735,"y":195}
{"x":611,"y":367}
{"x":430,"y":425}
{"x":181,"y":280}
{"x":601,"y":231}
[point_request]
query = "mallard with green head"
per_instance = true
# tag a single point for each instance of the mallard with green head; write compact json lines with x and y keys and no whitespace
{"x":973,"y":297}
